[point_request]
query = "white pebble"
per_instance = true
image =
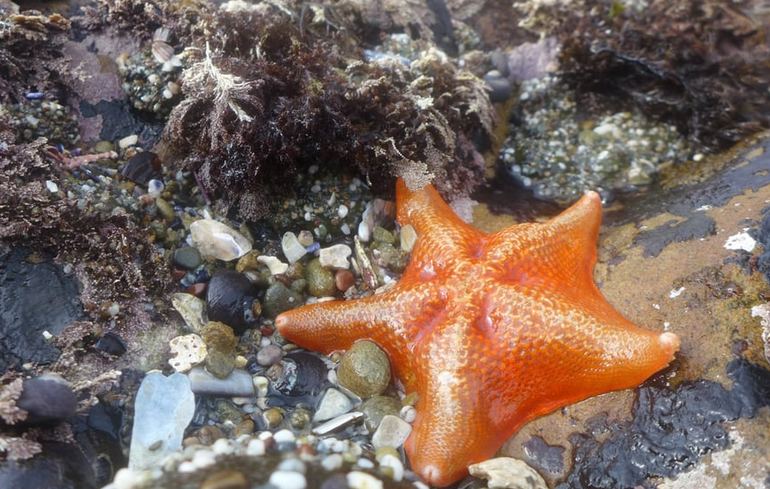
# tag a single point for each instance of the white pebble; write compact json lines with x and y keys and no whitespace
{"x":342,"y":211}
{"x":186,"y":351}
{"x":261,"y":384}
{"x":51,"y":186}
{"x":395,"y":465}
{"x":284,"y":436}
{"x":364,"y":463}
{"x":362,"y":480}
{"x":203,"y":458}
{"x":288,"y":480}
{"x":128,"y":141}
{"x":256,"y":448}
{"x":332,"y":462}
{"x":218,"y":241}
{"x":222,"y":447}
{"x":408,"y":414}
{"x":292,"y":248}
{"x":335,"y":256}
{"x":275,"y":265}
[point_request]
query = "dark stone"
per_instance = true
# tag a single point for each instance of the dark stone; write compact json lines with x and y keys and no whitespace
{"x":119,"y":121}
{"x":47,"y":399}
{"x":670,"y":431}
{"x":59,"y":466}
{"x":187,"y":257}
{"x":229,"y":298}
{"x":549,"y":458}
{"x":304,"y":376}
{"x":34,"y":297}
{"x":142,"y":167}
{"x":111,"y":343}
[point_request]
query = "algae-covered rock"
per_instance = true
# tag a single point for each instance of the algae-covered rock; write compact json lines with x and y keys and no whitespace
{"x":364,"y":369}
{"x":220,"y":343}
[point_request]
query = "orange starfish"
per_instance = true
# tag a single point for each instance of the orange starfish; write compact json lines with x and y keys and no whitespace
{"x":491,"y":330}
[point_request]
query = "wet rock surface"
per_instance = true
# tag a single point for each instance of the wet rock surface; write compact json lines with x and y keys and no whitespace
{"x":34,"y":297}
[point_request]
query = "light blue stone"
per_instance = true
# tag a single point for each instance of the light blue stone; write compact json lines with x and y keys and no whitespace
{"x":164,"y":407}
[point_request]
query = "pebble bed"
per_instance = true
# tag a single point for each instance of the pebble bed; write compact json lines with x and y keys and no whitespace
{"x":256,"y":396}
{"x":559,"y":153}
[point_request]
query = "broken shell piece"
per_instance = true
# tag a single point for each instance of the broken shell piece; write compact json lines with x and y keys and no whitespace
{"x":218,"y":241}
{"x":191,"y":309}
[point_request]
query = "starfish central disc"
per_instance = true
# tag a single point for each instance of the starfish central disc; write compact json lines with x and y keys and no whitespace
{"x":490,"y":330}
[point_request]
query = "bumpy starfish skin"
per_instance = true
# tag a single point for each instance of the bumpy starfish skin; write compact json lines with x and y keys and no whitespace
{"x":491,"y":330}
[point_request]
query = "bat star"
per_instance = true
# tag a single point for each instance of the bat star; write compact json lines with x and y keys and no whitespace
{"x":490,"y":330}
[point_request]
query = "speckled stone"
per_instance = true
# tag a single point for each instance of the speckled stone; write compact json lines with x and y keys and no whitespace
{"x":279,"y":298}
{"x":220,"y":343}
{"x":378,"y":407}
{"x":364,"y":369}
{"x":320,"y":280}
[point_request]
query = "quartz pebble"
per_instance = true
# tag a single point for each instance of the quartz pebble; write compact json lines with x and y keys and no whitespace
{"x":191,"y":309}
{"x":392,"y":462}
{"x":238,"y":383}
{"x":186,"y":351}
{"x":293,"y":250}
{"x":163,"y":408}
{"x":332,"y":462}
{"x":408,"y":237}
{"x":335,"y":256}
{"x":276,"y":266}
{"x":215,"y":240}
{"x":378,"y":407}
{"x":507,"y":473}
{"x":392,"y":432}
{"x":333,"y":404}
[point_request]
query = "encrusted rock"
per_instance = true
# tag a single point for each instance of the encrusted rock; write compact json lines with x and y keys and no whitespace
{"x":186,"y":351}
{"x":220,"y":343}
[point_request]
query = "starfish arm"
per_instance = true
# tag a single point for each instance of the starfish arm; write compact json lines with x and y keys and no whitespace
{"x":391,"y":319}
{"x":561,"y":352}
{"x":441,"y":233}
{"x":561,"y":251}
{"x":451,"y":430}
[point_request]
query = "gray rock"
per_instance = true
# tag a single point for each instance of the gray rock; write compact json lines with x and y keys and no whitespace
{"x":187,"y":257}
{"x":377,"y":408}
{"x":237,"y":384}
{"x":392,"y":432}
{"x":164,"y":407}
{"x":269,"y":355}
{"x":333,"y":404}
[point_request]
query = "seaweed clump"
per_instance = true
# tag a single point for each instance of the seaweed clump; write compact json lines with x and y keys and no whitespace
{"x":31,"y":58}
{"x":111,"y":255}
{"x":704,"y":66}
{"x":267,"y":101}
